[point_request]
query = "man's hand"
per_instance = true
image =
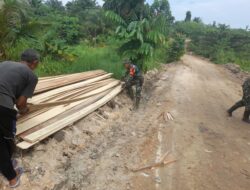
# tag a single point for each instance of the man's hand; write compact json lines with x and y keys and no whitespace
{"x":23,"y":111}
{"x":21,"y":105}
{"x":123,"y":78}
{"x":124,"y":85}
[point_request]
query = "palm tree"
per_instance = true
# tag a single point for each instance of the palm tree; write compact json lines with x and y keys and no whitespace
{"x":13,"y":21}
{"x":129,"y":10}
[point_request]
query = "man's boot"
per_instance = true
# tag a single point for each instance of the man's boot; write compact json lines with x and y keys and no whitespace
{"x":246,"y":116}
{"x":137,"y":102}
{"x":235,"y":107}
{"x":131,"y":93}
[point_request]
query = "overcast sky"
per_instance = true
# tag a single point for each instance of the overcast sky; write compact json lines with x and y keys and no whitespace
{"x":233,"y":12}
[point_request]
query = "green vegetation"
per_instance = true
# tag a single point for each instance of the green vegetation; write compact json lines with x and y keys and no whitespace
{"x":89,"y":58}
{"x":83,"y":36}
{"x":217,"y":42}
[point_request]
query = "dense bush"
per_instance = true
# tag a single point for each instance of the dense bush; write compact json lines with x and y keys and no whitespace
{"x":176,"y":48}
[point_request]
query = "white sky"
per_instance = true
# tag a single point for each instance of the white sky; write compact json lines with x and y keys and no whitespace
{"x":236,"y":13}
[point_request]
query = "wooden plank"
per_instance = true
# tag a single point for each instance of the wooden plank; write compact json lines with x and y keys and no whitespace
{"x":66,"y":75}
{"x":63,"y":102}
{"x":65,"y":93}
{"x":156,"y":165}
{"x":45,"y":86}
{"x":47,"y":95}
{"x":50,"y":84}
{"x":22,"y":127}
{"x":34,"y":113}
{"x":25,"y":145}
{"x":50,"y":77}
{"x":69,"y":94}
{"x":51,"y":129}
{"x":89,"y":89}
{"x":42,"y":82}
{"x":30,"y":115}
{"x":80,"y":106}
{"x":59,"y":109}
{"x":65,"y":96}
{"x":58,"y":76}
{"x":64,"y":80}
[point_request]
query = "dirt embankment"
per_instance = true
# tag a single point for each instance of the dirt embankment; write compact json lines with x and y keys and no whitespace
{"x":236,"y":71}
{"x":99,"y":152}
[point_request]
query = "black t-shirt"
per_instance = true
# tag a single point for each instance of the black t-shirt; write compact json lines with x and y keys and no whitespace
{"x":16,"y":79}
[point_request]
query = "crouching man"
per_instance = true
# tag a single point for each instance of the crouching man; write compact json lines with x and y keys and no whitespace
{"x":133,"y":77}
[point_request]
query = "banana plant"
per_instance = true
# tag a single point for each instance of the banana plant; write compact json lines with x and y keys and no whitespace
{"x":140,"y":38}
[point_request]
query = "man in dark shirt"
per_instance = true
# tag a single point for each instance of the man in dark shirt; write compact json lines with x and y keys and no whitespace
{"x":17,"y":84}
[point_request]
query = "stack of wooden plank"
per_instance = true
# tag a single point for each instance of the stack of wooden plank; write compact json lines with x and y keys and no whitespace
{"x":62,"y":100}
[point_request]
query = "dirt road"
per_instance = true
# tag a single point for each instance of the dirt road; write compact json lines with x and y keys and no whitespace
{"x":212,"y":150}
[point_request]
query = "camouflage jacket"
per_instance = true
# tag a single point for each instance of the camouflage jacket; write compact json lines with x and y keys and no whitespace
{"x":132,"y":73}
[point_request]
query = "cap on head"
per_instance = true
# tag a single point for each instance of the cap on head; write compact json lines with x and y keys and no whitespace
{"x":127,"y":61}
{"x":30,"y":56}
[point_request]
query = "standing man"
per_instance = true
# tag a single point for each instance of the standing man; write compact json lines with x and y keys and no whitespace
{"x":17,"y":84}
{"x":245,"y":102}
{"x":133,"y":77}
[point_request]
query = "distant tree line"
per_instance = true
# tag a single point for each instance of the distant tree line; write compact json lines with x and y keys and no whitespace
{"x":218,"y":42}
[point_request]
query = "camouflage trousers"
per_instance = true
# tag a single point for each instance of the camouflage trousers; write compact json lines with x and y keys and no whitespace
{"x":245,"y":102}
{"x":137,"y":82}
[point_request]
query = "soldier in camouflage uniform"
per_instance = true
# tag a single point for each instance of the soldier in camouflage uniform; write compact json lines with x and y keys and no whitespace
{"x":133,"y":77}
{"x":245,"y":102}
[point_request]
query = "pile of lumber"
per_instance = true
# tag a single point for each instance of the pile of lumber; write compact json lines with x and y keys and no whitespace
{"x":62,"y":100}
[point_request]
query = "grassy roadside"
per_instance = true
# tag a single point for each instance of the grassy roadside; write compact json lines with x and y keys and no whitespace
{"x":88,"y":58}
{"x":222,"y":56}
{"x":244,"y":64}
{"x":103,"y":57}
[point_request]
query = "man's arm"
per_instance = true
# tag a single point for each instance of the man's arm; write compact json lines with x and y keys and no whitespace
{"x":21,"y":102}
{"x":21,"y":105}
{"x":124,"y":75}
{"x":130,"y":76}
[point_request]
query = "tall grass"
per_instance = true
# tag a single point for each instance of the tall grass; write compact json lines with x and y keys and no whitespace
{"x":88,"y":58}
{"x":103,"y":57}
{"x":160,"y":56}
{"x":220,"y":56}
{"x":244,"y":64}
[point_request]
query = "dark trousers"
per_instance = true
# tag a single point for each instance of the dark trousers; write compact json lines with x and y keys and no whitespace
{"x":7,"y":144}
{"x":7,"y":147}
